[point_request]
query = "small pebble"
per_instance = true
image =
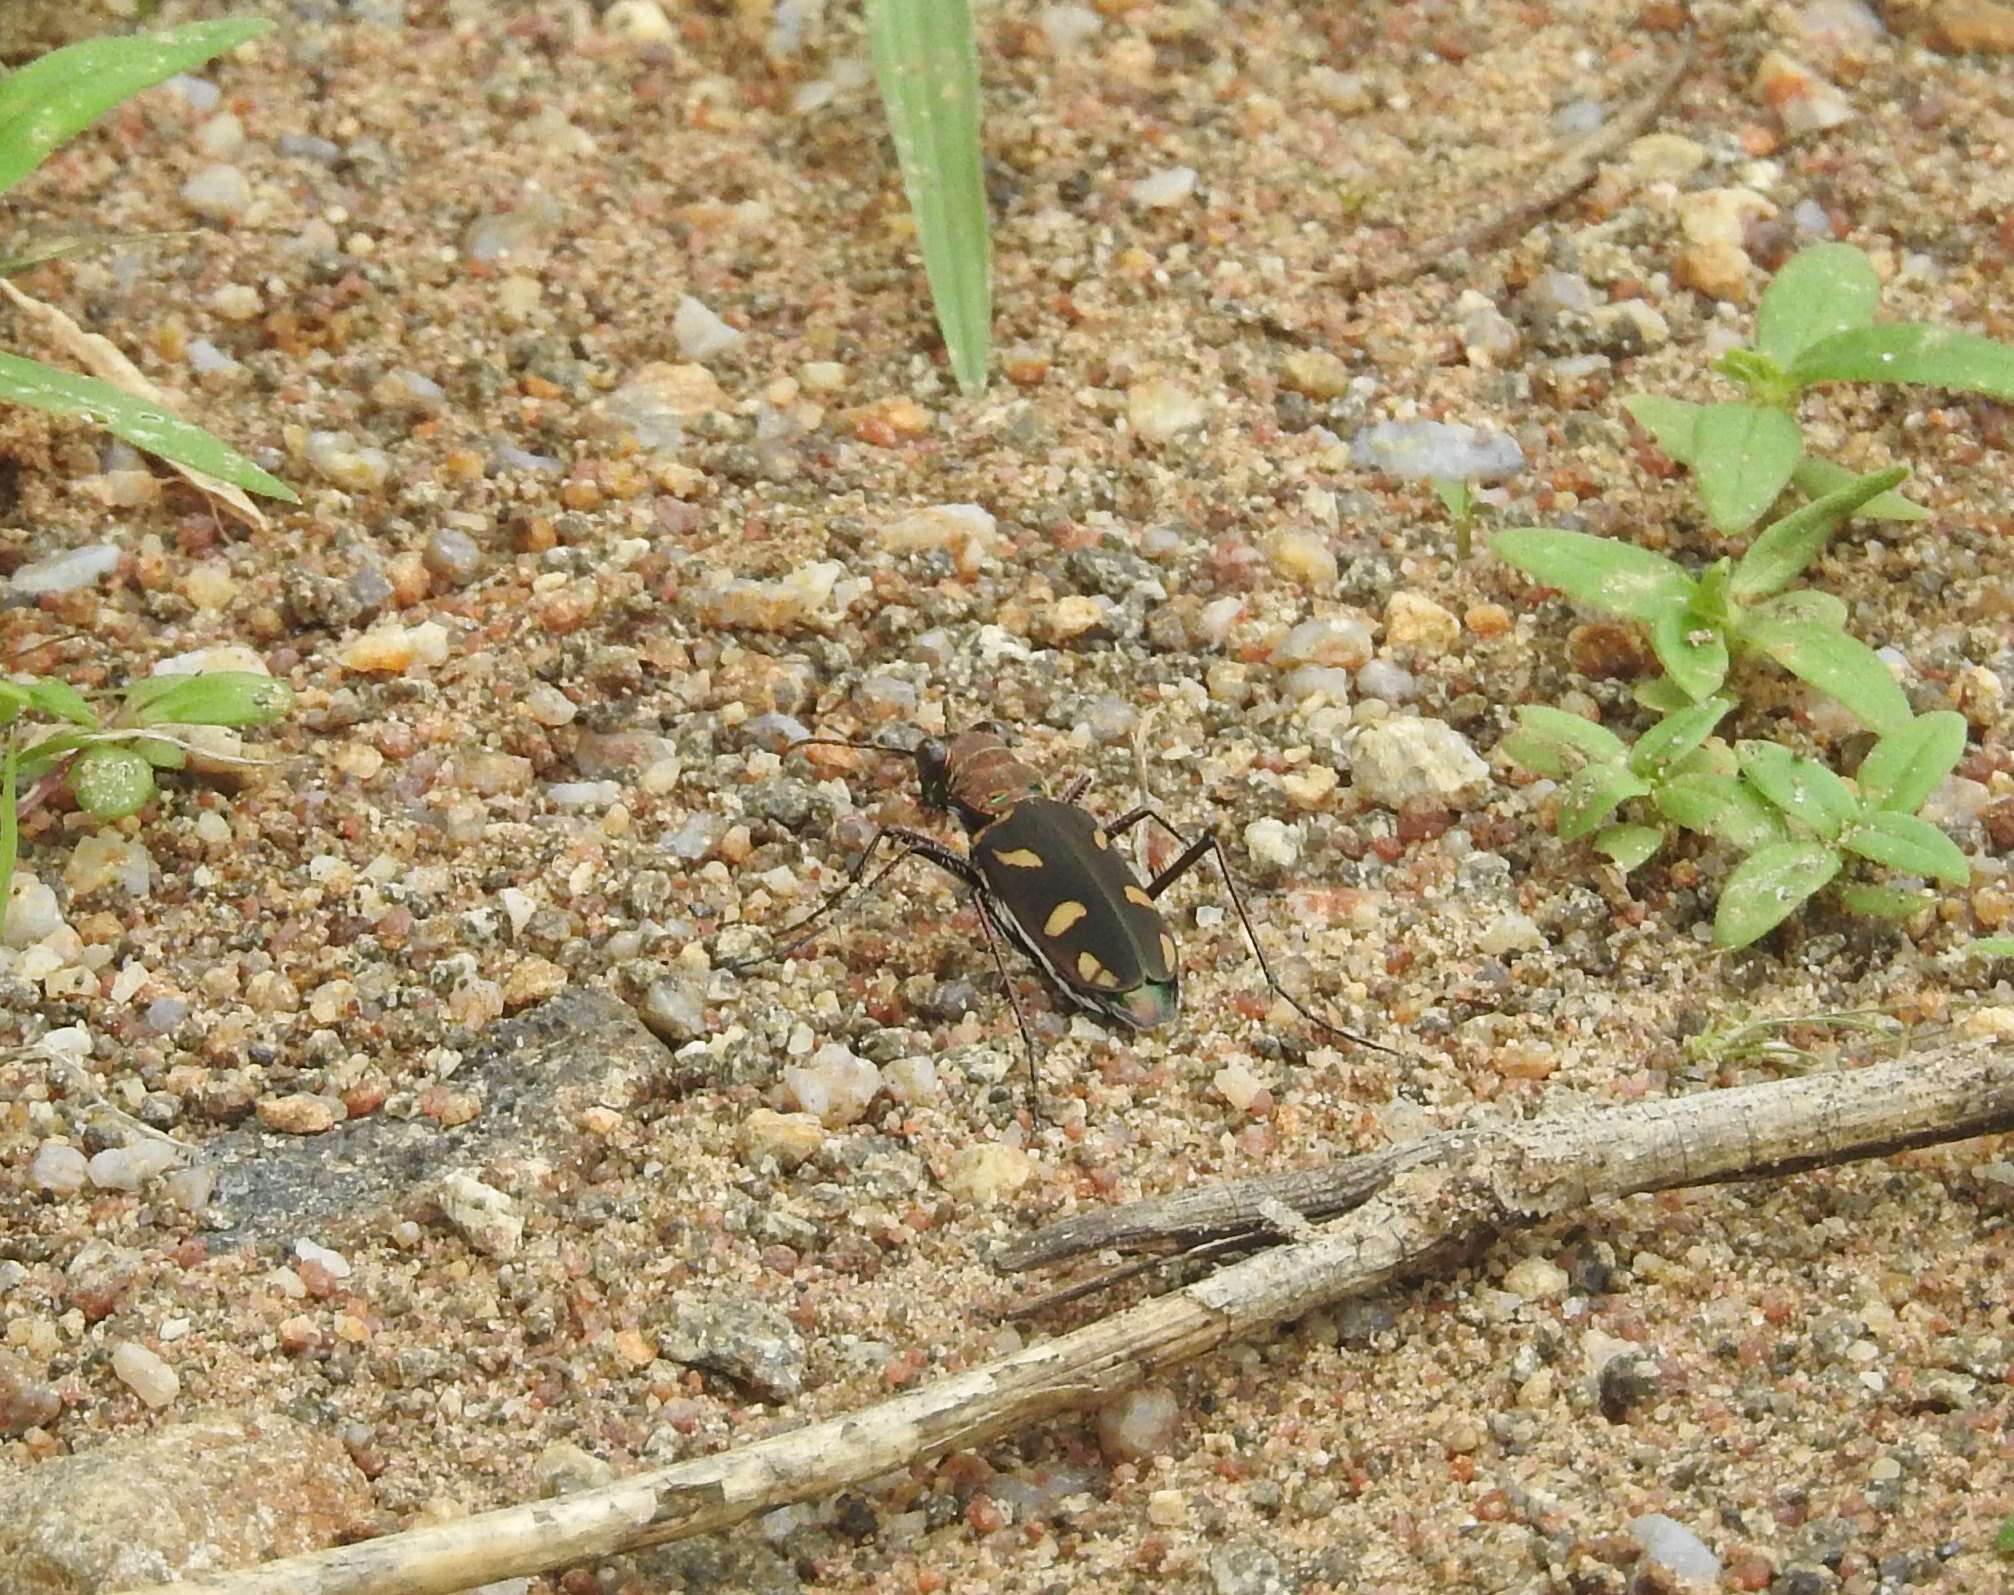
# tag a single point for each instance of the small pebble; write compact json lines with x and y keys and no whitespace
{"x":58,"y":1169}
{"x":1164,"y":188}
{"x":1674,"y":1547}
{"x":912,"y":1081}
{"x":338,"y":460}
{"x":1425,"y":449}
{"x":25,"y":1401}
{"x":390,"y":650}
{"x":1159,"y":410}
{"x":699,"y":333}
{"x":127,"y":1168}
{"x":1803,"y":101}
{"x":1416,"y":622}
{"x":220,"y":192}
{"x":144,"y":1373}
{"x":66,"y":572}
{"x":1411,"y":760}
{"x":1302,"y":556}
{"x":1140,"y":1424}
{"x":297,"y":1113}
{"x":1238,"y":1086}
{"x":789,"y":1138}
{"x":988,"y":1173}
{"x":835,"y":1087}
{"x":1318,"y":373}
{"x":1536,"y":1279}
{"x":484,"y":1216}
{"x":1272,"y":844}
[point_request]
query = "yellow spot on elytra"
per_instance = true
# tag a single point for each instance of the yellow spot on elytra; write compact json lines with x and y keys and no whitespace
{"x":1020,"y":858}
{"x":1168,"y":948}
{"x":1062,"y":917}
{"x":1108,"y":980}
{"x":1098,"y":835}
{"x":1135,"y":895}
{"x":1088,"y":967}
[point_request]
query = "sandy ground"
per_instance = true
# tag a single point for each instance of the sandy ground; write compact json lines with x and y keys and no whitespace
{"x":552,"y":610}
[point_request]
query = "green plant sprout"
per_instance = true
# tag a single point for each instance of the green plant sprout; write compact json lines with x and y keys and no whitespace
{"x":1794,"y":820}
{"x":1990,"y":947}
{"x":41,"y":105}
{"x":1458,"y":497}
{"x":1766,"y":1040}
{"x":1699,"y":626}
{"x":109,"y":768}
{"x":926,"y":65}
{"x":1814,"y":324}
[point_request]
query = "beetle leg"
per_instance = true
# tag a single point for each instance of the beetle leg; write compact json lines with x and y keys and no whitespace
{"x":1191,"y":853}
{"x":914,"y":844}
{"x":993,"y":932}
{"x":1074,"y":792}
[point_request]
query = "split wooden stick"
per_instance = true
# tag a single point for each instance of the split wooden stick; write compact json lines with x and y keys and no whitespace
{"x":1443,"y":1196}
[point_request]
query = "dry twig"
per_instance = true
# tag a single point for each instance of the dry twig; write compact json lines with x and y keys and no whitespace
{"x":1407,"y":1211}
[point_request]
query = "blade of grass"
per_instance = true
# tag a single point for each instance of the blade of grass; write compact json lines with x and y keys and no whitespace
{"x":65,"y":91}
{"x":927,"y":66}
{"x":10,"y":829}
{"x":144,"y":425}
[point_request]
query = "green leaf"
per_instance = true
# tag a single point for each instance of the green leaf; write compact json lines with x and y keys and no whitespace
{"x":1877,"y":900}
{"x":65,"y":91}
{"x":1906,"y":766}
{"x":161,"y":755}
{"x":14,"y":700}
{"x":1619,"y":578}
{"x":38,"y":758}
{"x":1672,"y":423}
{"x":1629,"y":846}
{"x":10,"y":827}
{"x":1593,"y":795}
{"x":58,"y":700}
{"x":142,"y":424}
{"x":1691,"y":649}
{"x":1826,"y":289}
{"x":1806,"y":604}
{"x":1782,"y":551}
{"x":1991,"y":947}
{"x":109,"y":782}
{"x":1662,"y":696}
{"x":1915,"y":847}
{"x":1842,"y":667}
{"x":927,"y":67}
{"x":1802,"y":788}
{"x":218,"y":697}
{"x":1457,"y":496}
{"x":1553,"y":743}
{"x":1767,"y":887}
{"x":1814,"y":478}
{"x":1721,"y":807}
{"x":1675,"y":736}
{"x":1937,"y":357}
{"x":1744,"y":454}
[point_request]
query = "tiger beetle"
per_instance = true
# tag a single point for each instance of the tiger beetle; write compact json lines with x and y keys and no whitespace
{"x":1044,"y":873}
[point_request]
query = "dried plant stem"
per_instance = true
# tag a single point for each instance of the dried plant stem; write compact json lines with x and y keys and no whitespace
{"x":1447,"y":1196}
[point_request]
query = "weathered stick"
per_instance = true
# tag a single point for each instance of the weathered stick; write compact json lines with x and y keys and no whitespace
{"x":1448,"y":1194}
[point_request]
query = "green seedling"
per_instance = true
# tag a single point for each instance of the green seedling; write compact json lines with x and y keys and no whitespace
{"x":1768,"y":1040}
{"x":45,"y":103}
{"x":926,"y":64}
{"x":1814,"y":324}
{"x":1458,"y":497}
{"x":1701,"y":625}
{"x":108,"y":767}
{"x":1991,"y":947}
{"x":1795,"y":821}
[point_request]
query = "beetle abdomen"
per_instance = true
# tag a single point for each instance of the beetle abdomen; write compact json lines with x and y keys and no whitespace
{"x":1072,"y":902}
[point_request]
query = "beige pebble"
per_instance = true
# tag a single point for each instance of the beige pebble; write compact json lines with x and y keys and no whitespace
{"x":988,"y":1173}
{"x":143,"y":1372}
{"x":789,"y":1138}
{"x":1301,"y":556}
{"x":1412,"y":621}
{"x":1159,"y":410}
{"x":388,"y":650}
{"x":297,"y":1113}
{"x":533,"y":980}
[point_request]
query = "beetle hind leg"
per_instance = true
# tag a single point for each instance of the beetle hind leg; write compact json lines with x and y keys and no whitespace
{"x":1193,"y":852}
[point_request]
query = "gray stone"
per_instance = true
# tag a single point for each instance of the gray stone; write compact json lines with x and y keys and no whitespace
{"x":746,"y":1341}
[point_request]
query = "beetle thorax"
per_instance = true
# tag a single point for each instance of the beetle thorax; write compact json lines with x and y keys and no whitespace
{"x":982,"y":780}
